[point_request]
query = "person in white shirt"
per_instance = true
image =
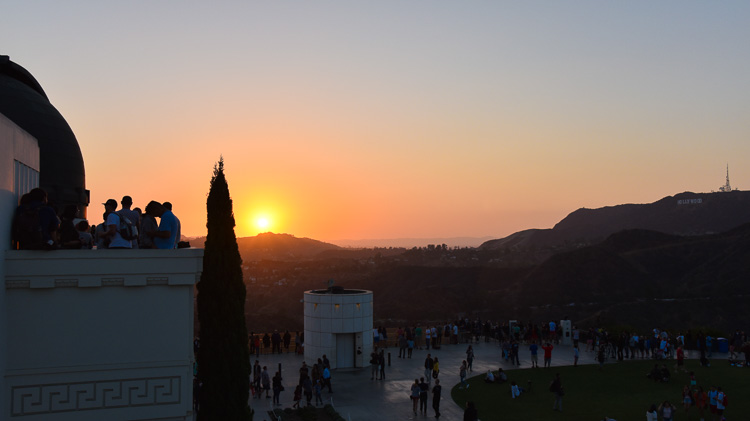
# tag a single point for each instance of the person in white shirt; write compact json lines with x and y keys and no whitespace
{"x":112,"y":226}
{"x":515,"y":391}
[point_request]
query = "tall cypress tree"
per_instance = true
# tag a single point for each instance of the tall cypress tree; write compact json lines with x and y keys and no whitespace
{"x":223,"y":358}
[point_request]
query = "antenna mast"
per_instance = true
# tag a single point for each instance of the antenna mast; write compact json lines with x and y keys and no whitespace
{"x":726,"y":187}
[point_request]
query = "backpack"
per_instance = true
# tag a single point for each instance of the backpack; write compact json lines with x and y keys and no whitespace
{"x":554,"y":386}
{"x":27,"y":229}
{"x":127,"y":230}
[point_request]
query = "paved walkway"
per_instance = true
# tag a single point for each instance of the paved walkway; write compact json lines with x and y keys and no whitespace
{"x":357,"y":398}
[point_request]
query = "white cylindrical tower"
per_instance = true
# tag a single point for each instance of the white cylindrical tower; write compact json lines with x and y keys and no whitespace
{"x":338,"y":324}
{"x":566,"y":332}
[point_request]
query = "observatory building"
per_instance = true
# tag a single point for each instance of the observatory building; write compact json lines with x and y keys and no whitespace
{"x":84,"y":334}
{"x":26,"y":112}
{"x":338,"y":324}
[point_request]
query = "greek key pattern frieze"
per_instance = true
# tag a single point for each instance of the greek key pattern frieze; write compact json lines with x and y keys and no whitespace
{"x":74,"y":283}
{"x":113,"y":282}
{"x":66,"y":283}
{"x":106,"y":394}
{"x":161,"y":280}
{"x":24,"y":284}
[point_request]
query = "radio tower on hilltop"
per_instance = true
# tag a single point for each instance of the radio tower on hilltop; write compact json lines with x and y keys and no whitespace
{"x":726,"y":187}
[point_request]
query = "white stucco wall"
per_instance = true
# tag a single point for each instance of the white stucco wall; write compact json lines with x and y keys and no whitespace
{"x":90,"y":335}
{"x":99,"y":334}
{"x":15,"y":144}
{"x":327,"y":315}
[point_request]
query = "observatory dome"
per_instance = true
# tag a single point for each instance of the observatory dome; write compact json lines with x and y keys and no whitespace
{"x":23,"y":101}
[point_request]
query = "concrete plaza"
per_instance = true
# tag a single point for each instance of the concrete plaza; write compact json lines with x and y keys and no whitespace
{"x":358,"y":398}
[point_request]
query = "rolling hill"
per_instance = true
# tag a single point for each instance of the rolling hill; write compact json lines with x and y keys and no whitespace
{"x":270,"y":246}
{"x":679,"y":262}
{"x":636,"y":277}
{"x":684,"y":214}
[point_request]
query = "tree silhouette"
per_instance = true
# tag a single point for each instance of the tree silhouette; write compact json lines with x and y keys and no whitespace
{"x":223,"y":358}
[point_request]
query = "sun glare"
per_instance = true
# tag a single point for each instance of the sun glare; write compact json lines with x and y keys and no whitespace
{"x":262,"y":220}
{"x":263,"y":223}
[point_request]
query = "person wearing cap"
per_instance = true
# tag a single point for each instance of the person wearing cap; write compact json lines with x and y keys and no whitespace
{"x":113,"y":222}
{"x":133,"y":216}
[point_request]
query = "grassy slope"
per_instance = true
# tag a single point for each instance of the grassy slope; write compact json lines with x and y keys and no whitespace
{"x":621,"y":391}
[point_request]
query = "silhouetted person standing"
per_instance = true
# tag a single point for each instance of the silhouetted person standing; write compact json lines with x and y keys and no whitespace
{"x":471,"y":414}
{"x":557,"y":388}
{"x":436,"y":390}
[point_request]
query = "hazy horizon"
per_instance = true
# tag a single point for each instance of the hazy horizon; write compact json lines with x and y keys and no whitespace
{"x":388,"y":242}
{"x":388,"y":120}
{"x":459,"y":241}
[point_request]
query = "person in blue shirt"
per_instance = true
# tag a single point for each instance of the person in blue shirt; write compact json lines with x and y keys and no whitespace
{"x":165,"y":236}
{"x":178,"y":237}
{"x":327,"y":379}
{"x":534,"y":348}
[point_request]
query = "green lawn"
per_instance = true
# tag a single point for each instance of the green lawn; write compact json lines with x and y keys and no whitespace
{"x":621,"y":391}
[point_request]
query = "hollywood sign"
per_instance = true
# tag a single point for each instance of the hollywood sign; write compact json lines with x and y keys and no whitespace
{"x":690,"y":201}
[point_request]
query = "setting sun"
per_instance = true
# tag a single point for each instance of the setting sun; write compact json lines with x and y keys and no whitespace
{"x":260,"y":218}
{"x":262,"y":223}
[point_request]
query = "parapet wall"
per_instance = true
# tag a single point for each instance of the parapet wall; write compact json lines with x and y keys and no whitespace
{"x":99,"y":334}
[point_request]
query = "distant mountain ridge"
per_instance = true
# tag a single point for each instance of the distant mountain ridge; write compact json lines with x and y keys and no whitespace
{"x":414,"y":242}
{"x":284,"y":247}
{"x":637,"y":277}
{"x":270,"y":246}
{"x":684,"y":214}
{"x":633,"y":274}
{"x":679,"y":262}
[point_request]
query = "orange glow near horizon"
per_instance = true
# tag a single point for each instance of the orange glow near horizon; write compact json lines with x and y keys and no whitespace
{"x":336,"y":134}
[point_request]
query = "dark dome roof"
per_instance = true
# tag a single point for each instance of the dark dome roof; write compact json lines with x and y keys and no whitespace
{"x":23,"y":101}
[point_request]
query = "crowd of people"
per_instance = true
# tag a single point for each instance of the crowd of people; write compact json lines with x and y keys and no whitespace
{"x":658,"y":345}
{"x":272,"y":343}
{"x":470,"y":331}
{"x":407,"y":339}
{"x":312,"y":383}
{"x":37,"y":226}
{"x":709,"y":404}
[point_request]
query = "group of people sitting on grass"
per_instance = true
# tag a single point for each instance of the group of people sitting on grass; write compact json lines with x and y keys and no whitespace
{"x":498,"y":377}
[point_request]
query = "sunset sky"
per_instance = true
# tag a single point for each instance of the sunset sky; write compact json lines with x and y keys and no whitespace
{"x":389,"y":119}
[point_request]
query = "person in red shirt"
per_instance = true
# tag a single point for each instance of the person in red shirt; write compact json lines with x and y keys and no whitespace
{"x":681,"y":360}
{"x":701,"y":400}
{"x":547,"y":354}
